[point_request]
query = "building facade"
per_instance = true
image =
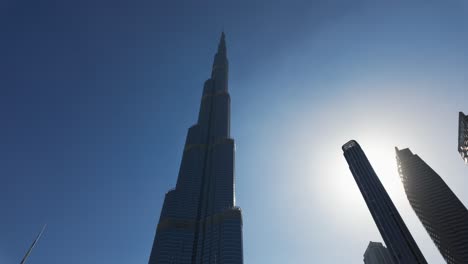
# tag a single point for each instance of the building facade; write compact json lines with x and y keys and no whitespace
{"x":442,"y":214}
{"x":376,"y":253}
{"x":199,"y":221}
{"x":463,"y":136}
{"x":395,"y":234}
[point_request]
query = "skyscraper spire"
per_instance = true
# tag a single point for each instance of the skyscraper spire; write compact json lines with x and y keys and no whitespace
{"x":219,"y":73}
{"x":222,"y":44}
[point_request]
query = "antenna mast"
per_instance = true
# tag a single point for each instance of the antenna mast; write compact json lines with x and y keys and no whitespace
{"x":33,"y":245}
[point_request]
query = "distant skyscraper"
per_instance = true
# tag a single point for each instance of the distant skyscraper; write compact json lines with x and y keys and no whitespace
{"x":199,"y":222}
{"x":440,"y":211}
{"x":396,"y":235}
{"x":463,"y":136}
{"x":376,"y":253}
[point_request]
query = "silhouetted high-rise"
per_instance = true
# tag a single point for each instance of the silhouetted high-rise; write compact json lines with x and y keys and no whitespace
{"x":440,"y":211}
{"x":376,"y":253}
{"x":199,"y":222}
{"x":463,"y":136}
{"x":396,"y":235}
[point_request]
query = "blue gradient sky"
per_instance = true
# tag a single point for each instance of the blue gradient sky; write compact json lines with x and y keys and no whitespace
{"x":96,"y":98}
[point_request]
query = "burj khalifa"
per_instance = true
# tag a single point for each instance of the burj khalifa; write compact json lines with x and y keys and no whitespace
{"x":199,"y":221}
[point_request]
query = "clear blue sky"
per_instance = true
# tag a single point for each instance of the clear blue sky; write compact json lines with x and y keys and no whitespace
{"x":96,"y":98}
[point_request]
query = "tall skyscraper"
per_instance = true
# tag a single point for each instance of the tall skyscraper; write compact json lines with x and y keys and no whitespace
{"x":463,"y":136}
{"x":376,"y":253}
{"x":199,"y":221}
{"x":440,"y":211}
{"x":396,"y":235}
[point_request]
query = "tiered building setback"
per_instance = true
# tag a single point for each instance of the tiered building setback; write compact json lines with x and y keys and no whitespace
{"x":199,"y":221}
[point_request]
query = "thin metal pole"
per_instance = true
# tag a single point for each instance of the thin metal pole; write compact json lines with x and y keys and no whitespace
{"x":33,"y":245}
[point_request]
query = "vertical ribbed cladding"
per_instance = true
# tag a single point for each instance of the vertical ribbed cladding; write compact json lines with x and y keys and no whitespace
{"x":389,"y":222}
{"x":442,"y":214}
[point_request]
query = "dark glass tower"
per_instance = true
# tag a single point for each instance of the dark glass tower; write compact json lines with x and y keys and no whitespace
{"x":463,"y":136}
{"x":440,"y":211}
{"x":396,"y":235}
{"x":376,"y":253}
{"x":199,"y":222}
